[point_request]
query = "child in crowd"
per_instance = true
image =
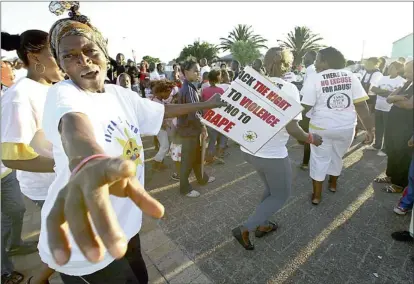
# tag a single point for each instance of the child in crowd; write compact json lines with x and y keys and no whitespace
{"x":147,"y":88}
{"x":205,"y":82}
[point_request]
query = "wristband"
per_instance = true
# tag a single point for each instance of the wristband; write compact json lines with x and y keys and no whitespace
{"x":310,"y":138}
{"x":85,"y":161}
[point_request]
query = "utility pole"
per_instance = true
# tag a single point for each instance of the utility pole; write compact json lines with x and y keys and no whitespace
{"x":363,"y":50}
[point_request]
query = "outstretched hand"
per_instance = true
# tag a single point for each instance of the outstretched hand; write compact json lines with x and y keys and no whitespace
{"x":216,"y":101}
{"x":85,"y":201}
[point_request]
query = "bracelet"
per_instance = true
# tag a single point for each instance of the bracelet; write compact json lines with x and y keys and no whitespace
{"x":310,"y":138}
{"x":85,"y":161}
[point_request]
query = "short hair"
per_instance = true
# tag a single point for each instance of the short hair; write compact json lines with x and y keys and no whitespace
{"x":206,"y":75}
{"x":236,"y":62}
{"x":333,"y":57}
{"x":188,"y":63}
{"x":213,"y":76}
{"x":162,"y":86}
{"x":374,"y":60}
{"x":399,"y":66}
{"x":312,"y":53}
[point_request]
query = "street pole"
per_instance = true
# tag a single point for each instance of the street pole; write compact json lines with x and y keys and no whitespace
{"x":363,"y":50}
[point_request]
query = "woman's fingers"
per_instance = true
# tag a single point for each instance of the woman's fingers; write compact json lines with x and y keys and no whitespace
{"x":57,"y":231}
{"x":105,"y":220}
{"x":80,"y":226}
{"x":117,"y":168}
{"x":143,"y":200}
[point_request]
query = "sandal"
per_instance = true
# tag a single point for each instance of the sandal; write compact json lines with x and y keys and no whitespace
{"x":13,"y":278}
{"x":243,"y":238}
{"x":393,"y":189}
{"x":383,"y":180}
{"x":266,"y":229}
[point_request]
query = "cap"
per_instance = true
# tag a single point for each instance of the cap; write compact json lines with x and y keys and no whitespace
{"x":6,"y":75}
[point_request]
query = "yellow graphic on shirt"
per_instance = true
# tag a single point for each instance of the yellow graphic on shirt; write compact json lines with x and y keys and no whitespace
{"x":131,"y":150}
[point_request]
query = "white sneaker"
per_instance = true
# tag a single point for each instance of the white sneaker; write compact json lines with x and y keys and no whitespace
{"x":211,"y":179}
{"x":193,"y":194}
{"x":381,"y":154}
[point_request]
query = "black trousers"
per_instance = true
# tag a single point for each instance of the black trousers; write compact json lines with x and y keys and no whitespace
{"x":130,"y":269}
{"x":190,"y":161}
{"x":381,"y":118}
{"x":398,"y":131}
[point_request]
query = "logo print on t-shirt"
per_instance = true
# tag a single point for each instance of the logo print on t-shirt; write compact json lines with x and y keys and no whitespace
{"x":338,"y":101}
{"x":130,"y":148}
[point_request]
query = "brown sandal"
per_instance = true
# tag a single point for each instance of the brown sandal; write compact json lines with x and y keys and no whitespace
{"x":243,"y":238}
{"x":13,"y":278}
{"x":393,"y":189}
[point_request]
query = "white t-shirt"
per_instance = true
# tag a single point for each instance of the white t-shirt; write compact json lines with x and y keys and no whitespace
{"x":21,"y":73}
{"x":309,"y":71}
{"x":386,"y":83}
{"x":118,"y":118}
{"x":21,"y":119}
{"x":374,"y":79}
{"x":290,"y":77}
{"x":204,"y":69}
{"x":332,"y":94}
{"x":276,"y":147}
{"x":224,"y":86}
{"x":154,"y":76}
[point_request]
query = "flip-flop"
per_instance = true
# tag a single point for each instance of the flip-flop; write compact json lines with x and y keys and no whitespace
{"x":403,"y":236}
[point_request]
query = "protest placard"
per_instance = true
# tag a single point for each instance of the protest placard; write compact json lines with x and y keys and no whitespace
{"x":257,"y":110}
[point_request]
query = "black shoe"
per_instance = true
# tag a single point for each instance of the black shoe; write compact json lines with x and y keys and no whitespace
{"x":266,"y":229}
{"x":402,"y":236}
{"x":23,"y":249}
{"x":243,"y":238}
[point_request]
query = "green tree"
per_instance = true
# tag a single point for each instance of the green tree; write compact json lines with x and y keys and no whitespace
{"x":300,"y":41}
{"x":150,"y":59}
{"x":242,"y":33}
{"x":199,"y":50}
{"x":245,"y":51}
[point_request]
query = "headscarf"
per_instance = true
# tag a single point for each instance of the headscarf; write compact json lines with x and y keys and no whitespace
{"x":75,"y":25}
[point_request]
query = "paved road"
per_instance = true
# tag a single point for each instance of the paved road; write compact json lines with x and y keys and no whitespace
{"x":346,"y":239}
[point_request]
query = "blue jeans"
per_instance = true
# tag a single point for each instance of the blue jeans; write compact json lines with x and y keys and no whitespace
{"x":407,"y":201}
{"x":213,"y":137}
{"x":12,"y":213}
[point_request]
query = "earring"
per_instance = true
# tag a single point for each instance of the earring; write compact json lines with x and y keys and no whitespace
{"x":43,"y":70}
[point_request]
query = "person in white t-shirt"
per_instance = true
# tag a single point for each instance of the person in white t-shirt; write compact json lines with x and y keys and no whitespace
{"x":24,"y":147}
{"x":371,"y":77}
{"x":272,"y":162}
{"x":309,"y":62}
{"x":333,"y":96}
{"x":96,"y":129}
{"x":383,"y":88}
{"x":204,"y":67}
{"x":153,"y":72}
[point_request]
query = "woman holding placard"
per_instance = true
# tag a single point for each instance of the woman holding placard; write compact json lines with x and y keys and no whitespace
{"x":335,"y":96}
{"x":272,"y":162}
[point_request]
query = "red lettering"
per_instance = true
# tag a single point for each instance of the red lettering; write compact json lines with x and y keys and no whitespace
{"x":215,"y":120}
{"x":245,"y":100}
{"x":223,"y":121}
{"x":274,"y":122}
{"x":258,"y":84}
{"x":265,"y":90}
{"x":252,"y":106}
{"x":229,"y":126}
{"x":265,"y":115}
{"x":261,"y":112}
{"x":288,"y":105}
{"x":209,"y":114}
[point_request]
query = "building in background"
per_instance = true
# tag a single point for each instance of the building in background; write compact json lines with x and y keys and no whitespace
{"x":403,"y":47}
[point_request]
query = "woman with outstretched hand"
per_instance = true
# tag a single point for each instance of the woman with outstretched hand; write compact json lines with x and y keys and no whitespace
{"x":92,"y":215}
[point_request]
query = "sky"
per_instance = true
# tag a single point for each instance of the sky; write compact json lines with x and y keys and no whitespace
{"x":160,"y":30}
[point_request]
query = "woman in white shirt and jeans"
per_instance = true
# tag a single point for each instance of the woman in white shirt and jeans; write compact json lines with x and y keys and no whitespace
{"x":333,"y":96}
{"x":92,"y":217}
{"x":272,"y":162}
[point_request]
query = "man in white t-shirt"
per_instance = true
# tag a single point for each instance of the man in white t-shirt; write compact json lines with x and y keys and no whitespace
{"x":204,"y":67}
{"x":383,"y":88}
{"x":308,"y":61}
{"x":154,"y":76}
